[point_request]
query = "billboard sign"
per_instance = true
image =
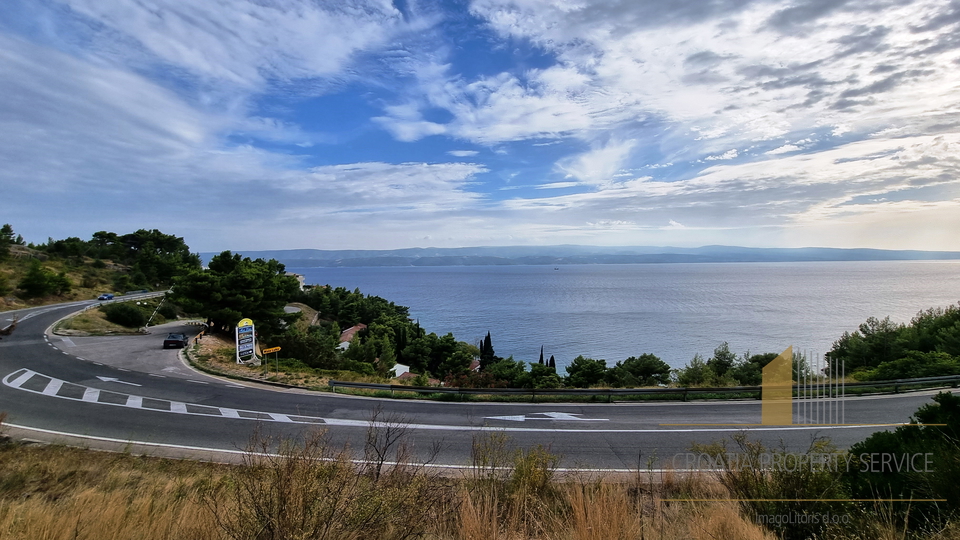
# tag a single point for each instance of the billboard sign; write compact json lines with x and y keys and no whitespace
{"x":246,"y":337}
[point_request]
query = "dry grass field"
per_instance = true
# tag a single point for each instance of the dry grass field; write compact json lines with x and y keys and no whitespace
{"x":308,"y":490}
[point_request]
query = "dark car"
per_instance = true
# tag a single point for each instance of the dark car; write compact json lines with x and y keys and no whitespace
{"x":105,"y":296}
{"x":177,"y":341}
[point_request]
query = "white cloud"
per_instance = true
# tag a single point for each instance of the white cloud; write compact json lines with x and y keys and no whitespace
{"x":729,"y":154}
{"x":725,"y":71}
{"x":558,"y":185}
{"x":598,"y":166}
{"x":802,"y":196}
{"x":247,"y":43}
{"x":785,"y":149}
{"x":463,"y":153}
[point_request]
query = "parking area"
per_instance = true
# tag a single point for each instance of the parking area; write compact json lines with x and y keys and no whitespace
{"x":144,"y":353}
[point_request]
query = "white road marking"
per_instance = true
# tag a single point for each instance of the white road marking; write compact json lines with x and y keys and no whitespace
{"x":52,"y":387}
{"x":118,"y":381}
{"x":571,"y":416}
{"x":68,"y":342}
{"x":157,"y":375}
{"x":549,"y":416}
{"x":92,"y":395}
{"x":197,"y":382}
{"x":27,"y":374}
{"x":514,"y":418}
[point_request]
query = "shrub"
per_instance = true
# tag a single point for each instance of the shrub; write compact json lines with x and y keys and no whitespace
{"x":696,"y":373}
{"x":764,"y":488}
{"x":125,"y":314}
{"x":915,"y":364}
{"x":168,"y":311}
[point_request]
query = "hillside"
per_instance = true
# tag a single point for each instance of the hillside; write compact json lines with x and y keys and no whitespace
{"x":570,"y":254}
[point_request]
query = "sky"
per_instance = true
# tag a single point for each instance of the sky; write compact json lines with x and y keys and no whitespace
{"x":280,"y":124}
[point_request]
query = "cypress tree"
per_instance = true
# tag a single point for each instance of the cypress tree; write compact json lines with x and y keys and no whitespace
{"x":553,"y":363}
{"x":541,"y":354}
{"x":487,"y":356}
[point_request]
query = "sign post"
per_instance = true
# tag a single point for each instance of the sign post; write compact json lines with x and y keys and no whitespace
{"x":246,"y":337}
{"x":276,"y":357}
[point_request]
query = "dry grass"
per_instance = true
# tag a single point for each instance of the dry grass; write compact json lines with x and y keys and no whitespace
{"x":287,"y":490}
{"x":54,"y":493}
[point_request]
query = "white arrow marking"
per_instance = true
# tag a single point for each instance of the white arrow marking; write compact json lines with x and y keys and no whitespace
{"x":569,"y":416}
{"x":549,"y":416}
{"x":118,"y":381}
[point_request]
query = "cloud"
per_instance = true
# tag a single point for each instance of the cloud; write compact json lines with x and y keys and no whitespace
{"x":112,"y":149}
{"x":729,"y":154}
{"x":558,"y":185}
{"x":785,"y":149}
{"x":790,"y":197}
{"x":463,"y":153}
{"x":598,"y":166}
{"x":247,"y":43}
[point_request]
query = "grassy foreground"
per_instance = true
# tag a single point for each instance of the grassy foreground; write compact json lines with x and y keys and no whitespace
{"x":308,"y":490}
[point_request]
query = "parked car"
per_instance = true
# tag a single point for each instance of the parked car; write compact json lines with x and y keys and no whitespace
{"x":177,"y":341}
{"x":105,"y":296}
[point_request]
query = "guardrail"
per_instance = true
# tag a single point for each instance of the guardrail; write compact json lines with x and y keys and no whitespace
{"x":822,"y":390}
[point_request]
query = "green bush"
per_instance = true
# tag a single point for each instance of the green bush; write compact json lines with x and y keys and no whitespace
{"x":913,"y":365}
{"x":934,"y":433}
{"x":125,"y":314}
{"x":168,"y":311}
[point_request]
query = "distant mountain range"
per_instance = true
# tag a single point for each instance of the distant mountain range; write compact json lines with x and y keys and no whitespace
{"x":571,"y":254}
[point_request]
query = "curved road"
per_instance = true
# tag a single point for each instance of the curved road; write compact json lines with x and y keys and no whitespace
{"x":127,"y":392}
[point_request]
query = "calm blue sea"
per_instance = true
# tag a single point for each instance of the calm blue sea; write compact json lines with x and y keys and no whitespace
{"x":671,"y":310}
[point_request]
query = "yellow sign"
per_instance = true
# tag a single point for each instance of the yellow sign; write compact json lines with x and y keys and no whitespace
{"x":244,"y":322}
{"x":270,"y":350}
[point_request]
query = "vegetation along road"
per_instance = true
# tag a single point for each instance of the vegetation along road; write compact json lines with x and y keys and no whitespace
{"x":128,"y":391}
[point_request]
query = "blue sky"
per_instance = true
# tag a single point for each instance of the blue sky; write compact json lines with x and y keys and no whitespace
{"x":377,"y":125}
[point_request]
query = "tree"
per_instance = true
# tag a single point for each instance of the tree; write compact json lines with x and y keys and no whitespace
{"x":644,"y":370}
{"x":235,"y":287}
{"x":722,"y":359}
{"x":6,"y":240}
{"x":541,"y":354}
{"x":585,"y":372}
{"x":553,"y":363}
{"x":39,"y":281}
{"x":487,"y":355}
{"x":540,"y":376}
{"x":509,"y":370}
{"x":749,"y":371}
{"x":696,"y":373}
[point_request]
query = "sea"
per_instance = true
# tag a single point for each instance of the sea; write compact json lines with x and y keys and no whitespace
{"x":674,"y":311}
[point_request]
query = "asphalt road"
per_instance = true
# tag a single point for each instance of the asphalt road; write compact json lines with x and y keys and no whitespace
{"x":129,"y":392}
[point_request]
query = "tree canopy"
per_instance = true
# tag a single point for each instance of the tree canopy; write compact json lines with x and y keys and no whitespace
{"x":235,"y":287}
